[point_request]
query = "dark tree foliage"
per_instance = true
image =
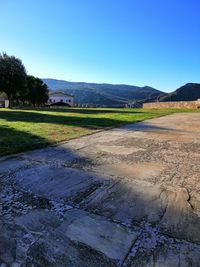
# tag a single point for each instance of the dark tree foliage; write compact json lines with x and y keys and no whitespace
{"x":12,"y":77}
{"x":37,"y":91}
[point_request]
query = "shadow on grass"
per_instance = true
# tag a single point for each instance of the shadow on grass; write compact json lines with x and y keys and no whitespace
{"x":15,"y":141}
{"x":86,"y":122}
{"x":89,"y":110}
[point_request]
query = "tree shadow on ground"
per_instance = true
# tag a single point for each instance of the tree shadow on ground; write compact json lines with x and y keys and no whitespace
{"x":86,"y":122}
{"x":14,"y":141}
{"x":89,"y":110}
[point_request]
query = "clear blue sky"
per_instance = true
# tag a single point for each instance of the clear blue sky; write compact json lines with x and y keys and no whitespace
{"x":139,"y":42}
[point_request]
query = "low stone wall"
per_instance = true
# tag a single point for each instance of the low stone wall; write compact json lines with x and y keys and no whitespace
{"x":178,"y":104}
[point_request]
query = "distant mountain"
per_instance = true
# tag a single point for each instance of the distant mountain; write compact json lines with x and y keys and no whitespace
{"x":188,"y":92}
{"x":103,"y":94}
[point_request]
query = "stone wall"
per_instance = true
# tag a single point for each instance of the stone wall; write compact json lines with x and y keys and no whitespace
{"x":178,"y":104}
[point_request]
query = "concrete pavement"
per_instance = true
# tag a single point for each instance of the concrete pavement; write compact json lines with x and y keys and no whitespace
{"x":123,"y":197}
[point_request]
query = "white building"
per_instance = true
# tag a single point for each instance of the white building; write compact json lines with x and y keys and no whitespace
{"x":61,"y":99}
{"x":4,"y":102}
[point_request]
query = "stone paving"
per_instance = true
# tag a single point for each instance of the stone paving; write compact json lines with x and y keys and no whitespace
{"x":123,"y":197}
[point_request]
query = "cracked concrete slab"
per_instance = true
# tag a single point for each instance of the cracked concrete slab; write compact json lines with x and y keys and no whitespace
{"x":37,"y":239}
{"x":134,"y":171}
{"x":179,"y":219}
{"x":80,"y":227}
{"x":163,"y":252}
{"x":129,"y":202}
{"x":112,"y":240}
{"x":117,"y":150}
{"x":123,"y":197}
{"x":9,"y":165}
{"x":52,"y":154}
{"x":57,"y":182}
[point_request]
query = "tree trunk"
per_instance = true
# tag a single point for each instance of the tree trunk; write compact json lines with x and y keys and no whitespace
{"x":10,"y":101}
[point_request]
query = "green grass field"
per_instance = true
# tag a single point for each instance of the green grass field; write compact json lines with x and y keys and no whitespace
{"x":23,"y":129}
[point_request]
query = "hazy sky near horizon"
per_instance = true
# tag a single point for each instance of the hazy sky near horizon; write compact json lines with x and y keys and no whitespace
{"x":138,"y":42}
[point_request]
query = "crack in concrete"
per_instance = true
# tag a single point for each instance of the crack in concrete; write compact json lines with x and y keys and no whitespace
{"x":189,"y":199}
{"x":124,"y":261}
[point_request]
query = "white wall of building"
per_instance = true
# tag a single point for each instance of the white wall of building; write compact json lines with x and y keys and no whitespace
{"x":6,"y":103}
{"x":62,"y":98}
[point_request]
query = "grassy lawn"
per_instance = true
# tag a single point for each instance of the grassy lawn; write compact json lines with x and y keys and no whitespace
{"x":22,"y":130}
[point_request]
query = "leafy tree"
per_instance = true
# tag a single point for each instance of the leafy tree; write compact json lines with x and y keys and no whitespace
{"x":37,"y":91}
{"x":12,"y":77}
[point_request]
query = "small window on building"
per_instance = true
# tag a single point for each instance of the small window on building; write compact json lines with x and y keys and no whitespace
{"x":69,"y":100}
{"x":54,"y":100}
{"x":61,"y":100}
{"x":50,"y":100}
